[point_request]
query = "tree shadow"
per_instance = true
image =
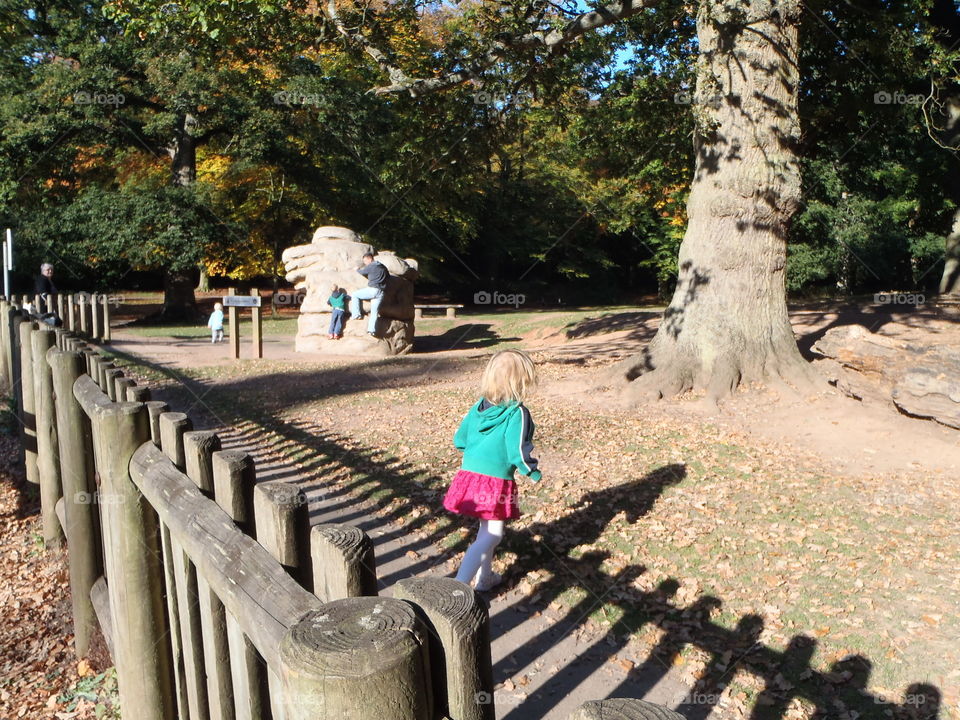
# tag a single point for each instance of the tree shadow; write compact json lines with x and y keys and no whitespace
{"x":468,"y":336}
{"x":609,"y":323}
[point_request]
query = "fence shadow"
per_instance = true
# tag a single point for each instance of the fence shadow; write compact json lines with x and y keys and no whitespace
{"x":407,"y":499}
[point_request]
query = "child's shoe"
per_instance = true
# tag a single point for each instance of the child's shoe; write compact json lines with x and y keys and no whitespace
{"x":488,"y":583}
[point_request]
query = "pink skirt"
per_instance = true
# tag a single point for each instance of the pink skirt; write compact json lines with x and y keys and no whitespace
{"x":482,"y":496}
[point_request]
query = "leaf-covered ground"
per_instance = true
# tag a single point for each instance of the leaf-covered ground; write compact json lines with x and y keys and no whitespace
{"x":40,"y":675}
{"x":777,"y":584}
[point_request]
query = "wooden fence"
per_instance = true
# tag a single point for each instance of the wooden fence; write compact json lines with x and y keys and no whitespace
{"x":216,"y":598}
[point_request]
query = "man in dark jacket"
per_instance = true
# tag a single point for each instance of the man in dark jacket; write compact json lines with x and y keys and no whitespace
{"x":43,"y":285}
{"x":376,"y":274}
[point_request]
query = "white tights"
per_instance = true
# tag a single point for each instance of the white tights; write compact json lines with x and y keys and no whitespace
{"x":479,"y":556}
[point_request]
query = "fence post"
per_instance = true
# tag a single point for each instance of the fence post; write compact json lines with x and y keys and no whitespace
{"x":343,"y":562}
{"x":138,"y":393}
{"x":233,"y":320}
{"x":48,"y":451}
{"x":90,"y":356}
{"x":11,"y":321}
{"x":83,"y":310}
{"x":198,"y":447}
{"x":257,"y":327}
{"x":102,"y":366}
{"x":460,"y":663}
{"x":29,"y":417}
{"x":123,"y":385}
{"x":234,"y":476}
{"x":337,"y":655}
{"x":283,"y":527}
{"x":106,"y":319}
{"x":111,"y":376}
{"x":155,"y":409}
{"x":4,"y":340}
{"x":279,"y":511}
{"x":96,"y":330}
{"x":173,"y":425}
{"x":71,"y":313}
{"x":133,"y":560}
{"x":77,"y":474}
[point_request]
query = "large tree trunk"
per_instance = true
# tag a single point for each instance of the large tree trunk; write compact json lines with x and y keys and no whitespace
{"x":945,"y":17}
{"x":203,"y":285}
{"x":950,"y":280}
{"x":727,"y":322}
{"x":179,"y":300}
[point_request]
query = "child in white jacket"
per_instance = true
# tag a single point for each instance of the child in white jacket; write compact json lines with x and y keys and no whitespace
{"x":215,"y":323}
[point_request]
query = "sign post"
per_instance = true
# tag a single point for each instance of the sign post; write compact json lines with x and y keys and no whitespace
{"x":257,"y":326}
{"x":233,"y":302}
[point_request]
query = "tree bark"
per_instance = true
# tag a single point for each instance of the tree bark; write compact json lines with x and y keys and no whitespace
{"x":727,"y":322}
{"x":945,"y":16}
{"x":179,"y":300}
{"x":203,"y":285}
{"x":950,"y":281}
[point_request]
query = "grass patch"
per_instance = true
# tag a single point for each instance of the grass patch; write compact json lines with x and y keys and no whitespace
{"x":284,"y":326}
{"x":99,"y":690}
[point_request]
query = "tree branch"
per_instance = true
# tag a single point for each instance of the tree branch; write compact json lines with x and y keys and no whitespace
{"x":552,"y":41}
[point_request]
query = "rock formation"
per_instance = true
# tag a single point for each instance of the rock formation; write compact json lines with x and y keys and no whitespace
{"x":921,"y":380}
{"x":332,"y":257}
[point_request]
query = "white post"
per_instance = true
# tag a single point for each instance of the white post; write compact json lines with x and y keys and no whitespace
{"x":7,"y":263}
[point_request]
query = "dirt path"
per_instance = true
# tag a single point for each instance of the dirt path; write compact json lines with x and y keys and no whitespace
{"x":845,"y":435}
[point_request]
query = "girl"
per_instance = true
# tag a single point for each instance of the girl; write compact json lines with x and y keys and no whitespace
{"x":496,"y":438}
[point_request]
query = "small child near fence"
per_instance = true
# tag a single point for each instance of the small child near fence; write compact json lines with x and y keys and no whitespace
{"x":215,"y":323}
{"x":496,"y":438}
{"x":338,"y":310}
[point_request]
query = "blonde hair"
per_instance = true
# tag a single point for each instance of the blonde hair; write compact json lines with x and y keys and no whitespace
{"x":509,"y":377}
{"x":218,"y":306}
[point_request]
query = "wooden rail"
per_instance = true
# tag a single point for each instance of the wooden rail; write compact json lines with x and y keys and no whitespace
{"x":216,"y":598}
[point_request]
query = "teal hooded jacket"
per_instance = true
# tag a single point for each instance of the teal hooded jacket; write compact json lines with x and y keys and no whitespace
{"x":496,"y":440}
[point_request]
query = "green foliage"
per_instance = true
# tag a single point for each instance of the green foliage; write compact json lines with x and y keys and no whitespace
{"x":563,"y":176}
